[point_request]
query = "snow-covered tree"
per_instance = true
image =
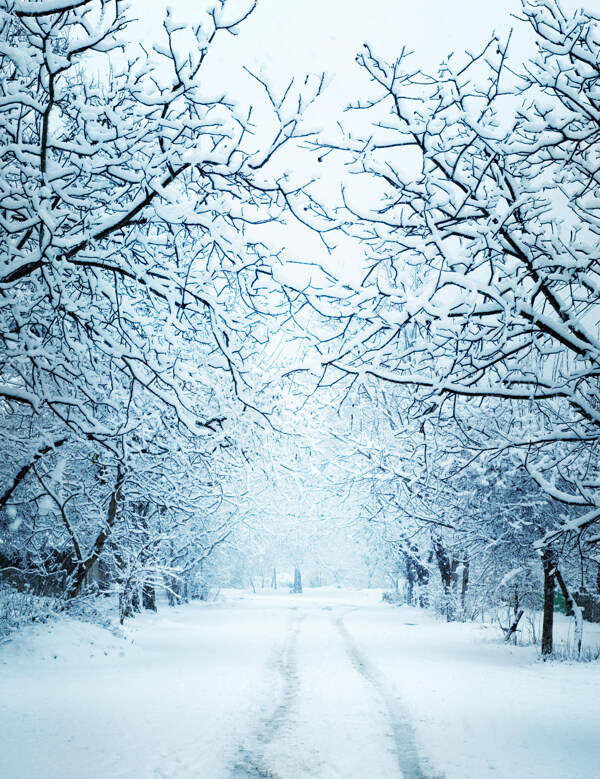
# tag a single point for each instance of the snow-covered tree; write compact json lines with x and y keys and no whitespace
{"x":127,"y":194}
{"x":135,"y":291}
{"x":479,"y":214}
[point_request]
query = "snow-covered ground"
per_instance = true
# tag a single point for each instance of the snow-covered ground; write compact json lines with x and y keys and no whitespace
{"x":331,"y":684}
{"x":481,"y":708}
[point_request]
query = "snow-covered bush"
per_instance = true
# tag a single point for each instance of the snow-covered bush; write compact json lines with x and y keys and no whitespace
{"x":18,"y":609}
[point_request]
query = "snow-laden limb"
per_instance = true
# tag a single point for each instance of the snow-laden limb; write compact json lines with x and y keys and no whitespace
{"x":44,"y":7}
{"x":127,"y":211}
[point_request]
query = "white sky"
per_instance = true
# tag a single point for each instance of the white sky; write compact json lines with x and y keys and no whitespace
{"x":284,"y":39}
{"x":289,"y":37}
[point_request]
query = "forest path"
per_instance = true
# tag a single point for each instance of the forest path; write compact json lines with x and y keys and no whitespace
{"x":334,"y":714}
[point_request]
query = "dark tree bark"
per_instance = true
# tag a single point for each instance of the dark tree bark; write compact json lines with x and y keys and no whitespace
{"x":512,"y":630}
{"x":136,"y":605}
{"x":149,"y":597}
{"x":173,"y":597}
{"x":549,"y":566}
{"x":518,"y":613}
{"x":179,"y":591}
{"x":569,"y":602}
{"x":447,"y":570}
{"x":129,"y":602}
{"x":148,"y":593}
{"x":464,"y":585}
{"x":416,"y":574}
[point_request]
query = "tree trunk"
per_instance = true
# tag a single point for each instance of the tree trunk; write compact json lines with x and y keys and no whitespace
{"x":572,"y":609}
{"x":417,"y":577}
{"x":172,"y":590}
{"x":512,"y":630}
{"x":274,"y":580}
{"x":410,"y":582}
{"x":566,"y":594}
{"x":129,"y":600}
{"x":549,"y":586}
{"x":464,"y":587}
{"x":136,"y":605}
{"x":447,"y":573}
{"x":297,"y":581}
{"x":149,"y":597}
{"x":148,"y":593}
{"x":82,"y":569}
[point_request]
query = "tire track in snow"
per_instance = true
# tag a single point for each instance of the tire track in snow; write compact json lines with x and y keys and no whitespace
{"x":407,"y":755}
{"x":251,"y":761}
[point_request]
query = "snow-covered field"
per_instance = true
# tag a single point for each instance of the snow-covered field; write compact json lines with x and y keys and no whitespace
{"x":331,"y":684}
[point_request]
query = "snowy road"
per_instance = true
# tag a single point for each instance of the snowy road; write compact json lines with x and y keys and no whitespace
{"x":332,"y":684}
{"x":333,"y":716}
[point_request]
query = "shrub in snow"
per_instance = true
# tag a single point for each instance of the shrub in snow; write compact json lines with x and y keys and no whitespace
{"x":18,"y":609}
